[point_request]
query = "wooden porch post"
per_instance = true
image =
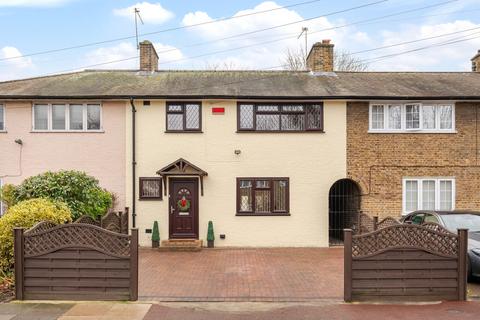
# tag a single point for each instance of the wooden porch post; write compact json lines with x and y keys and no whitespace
{"x":347,"y":273}
{"x":134,"y":265}
{"x":18,"y":256}
{"x":375,"y":223}
{"x":462,"y":264}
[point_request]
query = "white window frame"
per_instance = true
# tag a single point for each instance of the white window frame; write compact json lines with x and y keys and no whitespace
{"x":403,"y":128}
{"x":4,"y":129}
{"x":67,"y":116}
{"x":419,"y":181}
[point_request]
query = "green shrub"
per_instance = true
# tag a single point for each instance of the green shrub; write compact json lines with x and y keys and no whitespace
{"x":26,"y":214}
{"x":155,"y":232}
{"x":210,"y":234}
{"x":79,"y":191}
{"x":7,"y":195}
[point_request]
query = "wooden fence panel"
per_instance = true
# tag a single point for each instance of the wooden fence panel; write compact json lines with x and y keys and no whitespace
{"x":405,"y":263}
{"x":75,"y":262}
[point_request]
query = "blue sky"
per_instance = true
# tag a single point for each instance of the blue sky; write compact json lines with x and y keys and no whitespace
{"x":29,"y":26}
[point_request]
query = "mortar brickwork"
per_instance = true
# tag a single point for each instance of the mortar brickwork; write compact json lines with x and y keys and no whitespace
{"x":379,"y":161}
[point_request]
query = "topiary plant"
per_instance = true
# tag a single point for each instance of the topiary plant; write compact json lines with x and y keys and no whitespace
{"x":26,"y":214}
{"x":79,"y":191}
{"x":210,"y":235}
{"x":155,"y":235}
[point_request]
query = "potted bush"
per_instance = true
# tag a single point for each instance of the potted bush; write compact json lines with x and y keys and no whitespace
{"x":155,"y":235}
{"x":210,"y":235}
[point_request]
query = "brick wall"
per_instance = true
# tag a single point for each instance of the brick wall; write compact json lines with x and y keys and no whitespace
{"x":378,"y":162}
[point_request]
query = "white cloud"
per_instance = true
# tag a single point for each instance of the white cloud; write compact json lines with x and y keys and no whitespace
{"x":265,"y":54}
{"x":14,"y":68}
{"x":152,"y":13}
{"x":32,"y":3}
{"x":453,"y":57}
{"x":126,"y":50}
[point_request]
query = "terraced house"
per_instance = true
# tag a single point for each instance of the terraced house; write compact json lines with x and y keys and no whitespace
{"x":272,"y":158}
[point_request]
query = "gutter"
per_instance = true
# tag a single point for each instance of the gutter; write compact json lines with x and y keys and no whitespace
{"x":134,"y":164}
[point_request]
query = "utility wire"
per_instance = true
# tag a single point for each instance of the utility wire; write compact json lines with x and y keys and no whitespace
{"x":276,"y":39}
{"x":159,"y":31}
{"x":284,"y":38}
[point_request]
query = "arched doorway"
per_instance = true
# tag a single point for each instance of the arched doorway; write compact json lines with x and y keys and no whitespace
{"x":343,"y":209}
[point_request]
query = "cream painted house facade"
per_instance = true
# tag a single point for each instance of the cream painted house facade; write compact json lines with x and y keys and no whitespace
{"x":312,"y":162}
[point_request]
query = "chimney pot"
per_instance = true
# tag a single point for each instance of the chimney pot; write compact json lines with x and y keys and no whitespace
{"x":148,"y":57}
{"x":320,"y":58}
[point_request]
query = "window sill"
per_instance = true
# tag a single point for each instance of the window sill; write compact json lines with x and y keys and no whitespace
{"x":263,"y":214}
{"x":3,"y":131}
{"x":182,"y":131}
{"x":67,"y":131}
{"x":414,"y":131}
{"x":150,"y":199}
{"x":279,"y":131}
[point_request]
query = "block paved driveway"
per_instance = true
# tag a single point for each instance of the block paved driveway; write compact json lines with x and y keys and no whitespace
{"x":276,"y":274}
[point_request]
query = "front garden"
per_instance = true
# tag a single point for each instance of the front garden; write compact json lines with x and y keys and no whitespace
{"x":59,"y":197}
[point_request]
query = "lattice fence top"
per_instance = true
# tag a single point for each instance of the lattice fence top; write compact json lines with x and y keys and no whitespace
{"x":40,"y":227}
{"x":76,"y":236}
{"x":405,"y":237}
{"x":387,"y":222}
{"x":436,"y":227}
{"x":88,"y":220}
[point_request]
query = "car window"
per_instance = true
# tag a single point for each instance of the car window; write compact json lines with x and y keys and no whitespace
{"x":453,"y":222}
{"x":418,"y":218}
{"x":430,"y":218}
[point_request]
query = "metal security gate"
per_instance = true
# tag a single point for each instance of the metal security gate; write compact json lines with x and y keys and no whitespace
{"x":343,"y":209}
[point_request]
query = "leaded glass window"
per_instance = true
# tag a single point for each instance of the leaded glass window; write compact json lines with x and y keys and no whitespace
{"x":284,"y":117}
{"x":184,"y":116}
{"x":262,"y":196}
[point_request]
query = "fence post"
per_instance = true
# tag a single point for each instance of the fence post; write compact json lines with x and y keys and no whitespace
{"x":134,"y":265}
{"x":347,"y":273}
{"x":18,"y":249}
{"x":375,"y":223}
{"x":462,"y":264}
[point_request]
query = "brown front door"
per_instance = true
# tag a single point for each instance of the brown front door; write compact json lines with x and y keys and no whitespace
{"x":183,"y":206}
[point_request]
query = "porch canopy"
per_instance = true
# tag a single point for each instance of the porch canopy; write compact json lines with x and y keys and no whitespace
{"x":181,"y":167}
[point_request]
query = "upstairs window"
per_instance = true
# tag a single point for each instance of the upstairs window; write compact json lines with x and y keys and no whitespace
{"x":2,"y":118}
{"x":67,"y":117}
{"x":412,"y":117}
{"x":262,"y":196}
{"x":274,"y":117}
{"x":184,"y":117}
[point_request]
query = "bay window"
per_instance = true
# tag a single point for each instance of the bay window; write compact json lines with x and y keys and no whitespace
{"x":428,"y":194}
{"x":67,"y":117}
{"x":411,"y":117}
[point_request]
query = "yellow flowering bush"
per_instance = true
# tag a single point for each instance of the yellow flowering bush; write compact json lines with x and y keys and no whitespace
{"x":26,"y":214}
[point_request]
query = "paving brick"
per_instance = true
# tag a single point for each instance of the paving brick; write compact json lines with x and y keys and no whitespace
{"x":274,"y":274}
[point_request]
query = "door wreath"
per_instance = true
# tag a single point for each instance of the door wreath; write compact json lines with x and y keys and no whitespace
{"x":183,"y":204}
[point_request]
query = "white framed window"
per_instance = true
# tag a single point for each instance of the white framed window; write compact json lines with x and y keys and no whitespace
{"x":412,"y":117}
{"x":428,"y":194}
{"x":2,"y":117}
{"x":62,"y":117}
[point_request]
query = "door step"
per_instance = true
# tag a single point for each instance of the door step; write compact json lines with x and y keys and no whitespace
{"x":181,"y":245}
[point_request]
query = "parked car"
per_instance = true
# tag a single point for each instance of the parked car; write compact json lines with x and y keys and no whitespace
{"x":453,"y":220}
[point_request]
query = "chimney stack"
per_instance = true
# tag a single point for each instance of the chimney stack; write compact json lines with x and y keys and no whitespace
{"x":476,"y":62}
{"x":148,"y":57}
{"x":320,"y":58}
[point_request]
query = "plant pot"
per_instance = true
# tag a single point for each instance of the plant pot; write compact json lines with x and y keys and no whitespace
{"x":155,"y":244}
{"x":211,"y":243}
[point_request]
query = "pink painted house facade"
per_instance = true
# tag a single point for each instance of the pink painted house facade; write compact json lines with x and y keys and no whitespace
{"x":49,"y":135}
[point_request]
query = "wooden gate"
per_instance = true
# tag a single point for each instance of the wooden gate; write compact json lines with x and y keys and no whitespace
{"x":75,"y":262}
{"x":405,"y":263}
